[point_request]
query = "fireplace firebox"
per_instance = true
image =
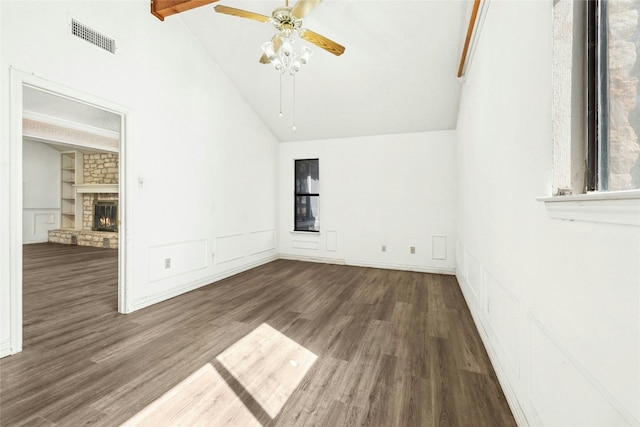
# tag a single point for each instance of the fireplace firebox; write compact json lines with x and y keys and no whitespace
{"x":105,"y":216}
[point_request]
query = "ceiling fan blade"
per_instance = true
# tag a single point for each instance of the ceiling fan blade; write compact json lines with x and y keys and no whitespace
{"x":277,"y":42}
{"x":241,"y":13}
{"x":321,"y":41}
{"x":303,"y":7}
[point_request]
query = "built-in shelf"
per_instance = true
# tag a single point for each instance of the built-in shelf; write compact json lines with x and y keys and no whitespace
{"x":96,"y":188}
{"x":71,"y":170}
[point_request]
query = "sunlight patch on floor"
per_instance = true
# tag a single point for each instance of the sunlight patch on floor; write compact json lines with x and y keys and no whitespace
{"x":202,"y":399}
{"x":269,"y":365}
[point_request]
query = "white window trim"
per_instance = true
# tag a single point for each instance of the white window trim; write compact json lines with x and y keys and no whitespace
{"x":608,"y":207}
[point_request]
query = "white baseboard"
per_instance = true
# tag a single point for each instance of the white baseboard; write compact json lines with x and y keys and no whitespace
{"x":321,"y":260}
{"x":358,"y":263}
{"x":162,"y":296}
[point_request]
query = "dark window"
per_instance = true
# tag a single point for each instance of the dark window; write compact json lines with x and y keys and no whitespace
{"x":613,"y":107}
{"x":307,"y":195}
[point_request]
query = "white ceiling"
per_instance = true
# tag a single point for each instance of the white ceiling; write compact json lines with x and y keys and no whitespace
{"x":397,"y":75}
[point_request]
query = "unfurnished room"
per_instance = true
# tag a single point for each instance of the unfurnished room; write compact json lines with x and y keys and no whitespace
{"x":320,"y":212}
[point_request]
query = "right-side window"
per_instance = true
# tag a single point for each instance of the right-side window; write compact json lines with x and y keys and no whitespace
{"x":307,"y":195}
{"x":613,"y":104}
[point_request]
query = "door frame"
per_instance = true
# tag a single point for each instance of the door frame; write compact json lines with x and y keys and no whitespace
{"x":19,"y":79}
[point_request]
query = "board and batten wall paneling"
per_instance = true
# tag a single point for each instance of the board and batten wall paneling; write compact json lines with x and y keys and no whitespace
{"x":439,"y":247}
{"x":262,"y":241}
{"x":36,"y":224}
{"x":556,"y":302}
{"x":40,"y":190}
{"x":229,"y":248}
{"x":583,"y":404}
{"x":176,"y":258}
{"x":332,"y":241}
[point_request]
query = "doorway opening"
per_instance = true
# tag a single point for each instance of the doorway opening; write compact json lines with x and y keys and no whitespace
{"x":77,"y":127}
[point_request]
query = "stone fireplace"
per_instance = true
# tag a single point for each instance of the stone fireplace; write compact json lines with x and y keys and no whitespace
{"x":97,"y":194}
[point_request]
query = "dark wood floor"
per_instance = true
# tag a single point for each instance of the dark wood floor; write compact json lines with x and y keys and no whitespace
{"x":394,"y":348}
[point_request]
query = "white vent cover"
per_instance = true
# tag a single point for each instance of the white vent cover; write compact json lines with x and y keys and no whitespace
{"x":78,"y":29}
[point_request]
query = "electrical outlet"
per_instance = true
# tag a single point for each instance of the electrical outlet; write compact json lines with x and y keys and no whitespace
{"x":167,"y":263}
{"x":384,"y":248}
{"x":412,"y":249}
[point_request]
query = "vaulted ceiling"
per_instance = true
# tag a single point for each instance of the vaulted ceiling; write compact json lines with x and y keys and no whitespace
{"x":397,"y":75}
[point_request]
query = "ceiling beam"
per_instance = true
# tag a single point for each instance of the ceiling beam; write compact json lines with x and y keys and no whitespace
{"x":472,"y":24}
{"x":163,"y":8}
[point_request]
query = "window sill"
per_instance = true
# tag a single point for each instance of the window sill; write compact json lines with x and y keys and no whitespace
{"x":612,"y":207}
{"x":306,"y":233}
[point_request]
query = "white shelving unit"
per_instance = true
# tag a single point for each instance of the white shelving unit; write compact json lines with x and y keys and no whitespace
{"x":71,"y":175}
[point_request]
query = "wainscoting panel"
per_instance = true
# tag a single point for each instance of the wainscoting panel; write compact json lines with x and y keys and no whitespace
{"x":262,"y":241}
{"x":229,"y":248}
{"x":332,"y":241}
{"x":176,"y":258}
{"x":36,"y":224}
{"x":305,"y":244}
{"x":474,"y":276}
{"x":502,"y":310}
{"x":461,"y":259}
{"x":542,"y":380}
{"x":584,"y":403}
{"x":439,"y":247}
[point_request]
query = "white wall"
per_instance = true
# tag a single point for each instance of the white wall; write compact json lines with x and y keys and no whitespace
{"x":393,"y":190}
{"x":40,"y":191}
{"x":557,"y":301}
{"x":207,"y":162}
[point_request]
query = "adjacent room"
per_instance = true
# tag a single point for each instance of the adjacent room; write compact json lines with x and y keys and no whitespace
{"x":381,"y":213}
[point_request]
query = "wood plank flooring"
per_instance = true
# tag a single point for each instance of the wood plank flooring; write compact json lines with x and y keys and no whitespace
{"x":393,"y":348}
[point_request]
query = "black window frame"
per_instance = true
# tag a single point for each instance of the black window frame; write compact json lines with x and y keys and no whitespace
{"x":300,"y":194}
{"x":597,"y":97}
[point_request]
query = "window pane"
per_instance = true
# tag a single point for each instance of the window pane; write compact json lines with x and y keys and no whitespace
{"x":620,"y":149}
{"x":307,"y":213}
{"x":307,"y":176}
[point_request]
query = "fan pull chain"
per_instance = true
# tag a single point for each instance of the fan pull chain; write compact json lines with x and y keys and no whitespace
{"x":294,"y":102}
{"x":280,"y":113}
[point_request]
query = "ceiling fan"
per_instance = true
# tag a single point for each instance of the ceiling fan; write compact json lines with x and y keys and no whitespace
{"x":287,"y":20}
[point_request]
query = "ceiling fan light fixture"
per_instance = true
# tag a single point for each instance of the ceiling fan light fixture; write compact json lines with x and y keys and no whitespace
{"x":269,"y":50}
{"x":278,"y":64}
{"x":287,"y":46}
{"x":295,"y":67}
{"x":279,"y":51}
{"x":306,"y":54}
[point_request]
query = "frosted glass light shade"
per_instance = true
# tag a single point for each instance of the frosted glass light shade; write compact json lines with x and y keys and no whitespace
{"x":268,"y":50}
{"x":306,"y":54}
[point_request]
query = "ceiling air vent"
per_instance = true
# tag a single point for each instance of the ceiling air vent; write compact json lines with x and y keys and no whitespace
{"x":78,"y":29}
